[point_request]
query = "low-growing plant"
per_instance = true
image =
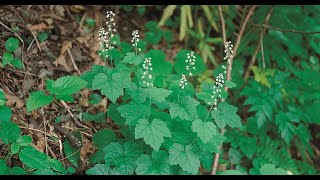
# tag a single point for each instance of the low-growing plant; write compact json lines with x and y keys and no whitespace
{"x":176,"y":116}
{"x":8,"y":57}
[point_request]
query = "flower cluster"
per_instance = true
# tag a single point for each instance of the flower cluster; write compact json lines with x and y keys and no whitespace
{"x":147,"y":76}
{"x":191,"y":59}
{"x":183,"y":81}
{"x":228,"y":51}
{"x":135,"y":40}
{"x":105,"y":35}
{"x":220,"y":79}
{"x":103,"y":39}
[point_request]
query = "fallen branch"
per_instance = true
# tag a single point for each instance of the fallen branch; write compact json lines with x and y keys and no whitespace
{"x":73,"y":140}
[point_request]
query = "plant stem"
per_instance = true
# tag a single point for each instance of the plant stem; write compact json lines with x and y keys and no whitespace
{"x":149,"y":104}
{"x":229,"y":69}
{"x":205,"y":120}
{"x":253,"y":59}
{"x":285,"y":30}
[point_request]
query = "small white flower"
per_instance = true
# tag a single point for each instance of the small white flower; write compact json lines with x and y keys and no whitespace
{"x":105,"y":35}
{"x":191,"y":59}
{"x":146,"y":73}
{"x":135,"y":39}
{"x":183,"y":81}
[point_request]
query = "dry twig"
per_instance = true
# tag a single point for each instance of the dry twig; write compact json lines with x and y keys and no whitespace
{"x":259,"y":46}
{"x":73,"y":62}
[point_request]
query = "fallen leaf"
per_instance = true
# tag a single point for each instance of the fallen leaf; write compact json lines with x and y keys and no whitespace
{"x":65,"y":46}
{"x":87,"y":148}
{"x":13,"y":101}
{"x":62,"y":61}
{"x":59,"y":10}
{"x":77,"y":8}
{"x":45,"y":73}
{"x":27,"y":85}
{"x":102,"y":106}
{"x":40,"y":27}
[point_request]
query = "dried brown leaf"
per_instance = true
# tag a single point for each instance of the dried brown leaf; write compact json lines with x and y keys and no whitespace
{"x":13,"y":101}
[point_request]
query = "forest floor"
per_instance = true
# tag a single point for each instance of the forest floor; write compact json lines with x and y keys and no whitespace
{"x":70,"y":49}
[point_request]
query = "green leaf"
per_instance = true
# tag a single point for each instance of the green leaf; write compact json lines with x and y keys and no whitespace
{"x":9,"y":132}
{"x":160,"y":66}
{"x":157,"y":164}
{"x":153,"y":37}
{"x":115,"y":115}
{"x":6,"y":114}
{"x":112,"y":87}
{"x":103,"y":137}
{"x":72,"y":153}
{"x":2,"y":102}
{"x":38,"y":99}
{"x":226,"y":115}
{"x":67,"y":85}
{"x":44,"y":172}
{"x":18,"y":171}
{"x":71,"y":170}
{"x":91,"y":22}
{"x":94,"y":98}
{"x":4,"y":169}
{"x":167,"y":13}
{"x":260,"y":75}
{"x":184,"y":157}
{"x":270,"y":169}
{"x":33,"y":158}
{"x":230,"y":84}
{"x":231,"y":172}
{"x":180,"y":64}
{"x":12,"y":44}
{"x":131,"y":58}
{"x":98,"y":118}
{"x":286,"y":128}
{"x":138,"y":94}
{"x":14,"y":148}
{"x":186,"y":109}
{"x":206,"y":92}
{"x":101,"y":169}
{"x":159,"y":94}
{"x":42,"y":36}
{"x":17,"y":63}
{"x":57,"y":166}
{"x":6,"y":58}
{"x":132,"y":112}
{"x":183,"y":22}
{"x":248,"y":146}
{"x":204,"y":130}
{"x":213,"y":145}
{"x":65,"y":97}
{"x":24,"y":140}
{"x":152,"y":133}
{"x":89,"y":75}
{"x":122,"y":156}
{"x":2,"y":95}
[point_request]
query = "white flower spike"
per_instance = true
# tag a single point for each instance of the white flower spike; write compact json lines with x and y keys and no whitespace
{"x":183,"y":81}
{"x":147,"y":76}
{"x":191,"y":60}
